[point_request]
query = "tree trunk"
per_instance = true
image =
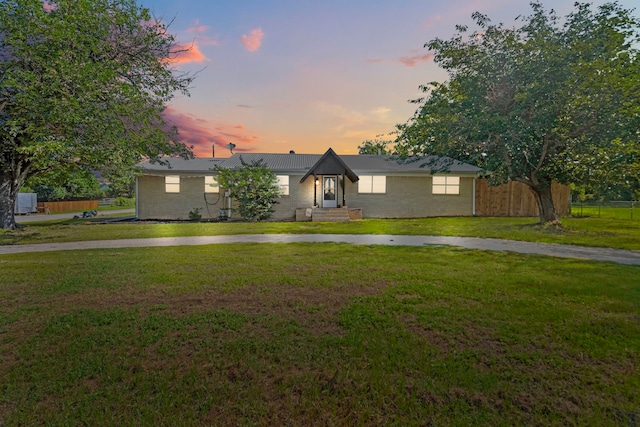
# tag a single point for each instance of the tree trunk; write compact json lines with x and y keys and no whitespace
{"x":546,"y":209}
{"x":9,"y":188}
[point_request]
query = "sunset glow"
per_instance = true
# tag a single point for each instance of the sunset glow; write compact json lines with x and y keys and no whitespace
{"x":274,"y":76}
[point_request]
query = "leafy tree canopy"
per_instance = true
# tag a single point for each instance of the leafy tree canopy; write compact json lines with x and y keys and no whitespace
{"x":82,"y":82}
{"x":551,"y":99}
{"x":57,"y":185}
{"x":376,"y":146}
{"x":253,"y":186}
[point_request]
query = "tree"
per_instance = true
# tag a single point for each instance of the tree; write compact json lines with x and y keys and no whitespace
{"x":82,"y":83}
{"x":376,"y":146}
{"x":629,"y":169}
{"x":57,"y":185}
{"x":253,"y":186}
{"x":122,"y":185}
{"x":541,"y":102}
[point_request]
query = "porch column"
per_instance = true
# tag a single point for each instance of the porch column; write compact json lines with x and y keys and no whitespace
{"x":315,"y":190}
{"x":342,"y":185}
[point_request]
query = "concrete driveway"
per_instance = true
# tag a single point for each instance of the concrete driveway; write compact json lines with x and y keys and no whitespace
{"x":619,"y":256}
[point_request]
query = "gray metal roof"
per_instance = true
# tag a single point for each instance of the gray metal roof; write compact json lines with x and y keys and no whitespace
{"x":301,"y":163}
{"x":175,"y":164}
{"x":368,"y":163}
{"x":275,"y":162}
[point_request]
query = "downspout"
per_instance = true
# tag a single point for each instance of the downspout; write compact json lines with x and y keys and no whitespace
{"x":473,"y":208}
{"x":137,"y":198}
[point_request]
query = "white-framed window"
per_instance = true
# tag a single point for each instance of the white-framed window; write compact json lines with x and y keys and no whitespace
{"x":283,"y":183}
{"x":172,"y":183}
{"x":211,"y":184}
{"x":372,"y":184}
{"x":446,"y":185}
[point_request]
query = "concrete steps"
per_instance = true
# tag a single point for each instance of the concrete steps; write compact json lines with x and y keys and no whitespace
{"x":330,"y":215}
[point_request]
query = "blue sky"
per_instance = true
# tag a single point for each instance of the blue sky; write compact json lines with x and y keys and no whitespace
{"x":305,"y":75}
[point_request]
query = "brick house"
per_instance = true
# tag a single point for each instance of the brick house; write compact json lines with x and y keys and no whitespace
{"x":314,"y":187}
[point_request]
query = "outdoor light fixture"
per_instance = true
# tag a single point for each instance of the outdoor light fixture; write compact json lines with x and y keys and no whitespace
{"x":317,"y":181}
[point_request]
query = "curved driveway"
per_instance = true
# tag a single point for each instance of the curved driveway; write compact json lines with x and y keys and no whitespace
{"x":619,"y":256}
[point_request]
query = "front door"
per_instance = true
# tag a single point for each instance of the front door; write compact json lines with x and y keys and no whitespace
{"x":329,"y":195}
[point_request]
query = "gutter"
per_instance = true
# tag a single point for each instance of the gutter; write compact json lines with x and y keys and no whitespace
{"x":137,"y":195}
{"x":473,"y":207}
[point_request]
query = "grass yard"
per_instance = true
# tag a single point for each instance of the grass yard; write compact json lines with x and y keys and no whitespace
{"x":317,"y":334}
{"x":629,"y":212}
{"x":588,"y":231}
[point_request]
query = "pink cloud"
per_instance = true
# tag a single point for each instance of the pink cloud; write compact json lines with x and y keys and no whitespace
{"x":203,"y":135}
{"x":188,"y":52}
{"x":252,"y":41}
{"x":432,"y":21}
{"x":407,"y":61}
{"x":197,"y":28}
{"x":412,"y":61}
{"x":202,"y":40}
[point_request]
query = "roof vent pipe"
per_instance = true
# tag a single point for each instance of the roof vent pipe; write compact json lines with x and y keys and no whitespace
{"x":292,"y":152}
{"x":213,"y":150}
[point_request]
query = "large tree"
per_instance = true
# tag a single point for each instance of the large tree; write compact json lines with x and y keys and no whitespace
{"x":65,"y":185}
{"x":82,"y":82}
{"x":550,"y":99}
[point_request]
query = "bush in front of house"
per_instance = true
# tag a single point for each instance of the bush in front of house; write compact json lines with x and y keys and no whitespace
{"x":253,"y":186}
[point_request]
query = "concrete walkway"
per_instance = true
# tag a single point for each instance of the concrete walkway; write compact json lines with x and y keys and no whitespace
{"x":619,"y":256}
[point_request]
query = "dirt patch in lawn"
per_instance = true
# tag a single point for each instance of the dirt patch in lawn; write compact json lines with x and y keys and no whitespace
{"x":315,"y":308}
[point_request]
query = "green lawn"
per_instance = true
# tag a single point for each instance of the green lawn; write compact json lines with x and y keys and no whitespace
{"x":589,"y":231}
{"x":316,"y":334}
{"x":629,"y":211}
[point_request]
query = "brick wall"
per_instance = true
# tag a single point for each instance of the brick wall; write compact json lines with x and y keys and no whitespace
{"x":406,"y":197}
{"x":300,"y":196}
{"x":155,"y":203}
{"x":410,"y":197}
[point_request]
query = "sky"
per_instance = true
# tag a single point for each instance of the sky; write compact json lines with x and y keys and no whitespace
{"x":309,"y":75}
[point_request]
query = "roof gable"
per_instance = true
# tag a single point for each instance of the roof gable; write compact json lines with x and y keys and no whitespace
{"x":330,"y":164}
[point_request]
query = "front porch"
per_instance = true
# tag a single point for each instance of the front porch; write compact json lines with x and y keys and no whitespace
{"x":329,"y":174}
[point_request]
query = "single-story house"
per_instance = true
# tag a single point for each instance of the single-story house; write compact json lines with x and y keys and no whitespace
{"x":313,"y":187}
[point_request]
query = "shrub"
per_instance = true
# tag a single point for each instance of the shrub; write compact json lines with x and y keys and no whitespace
{"x":128,"y":202}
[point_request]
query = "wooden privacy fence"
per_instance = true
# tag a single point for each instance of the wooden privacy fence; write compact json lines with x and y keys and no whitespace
{"x":73,"y":205}
{"x":515,"y":199}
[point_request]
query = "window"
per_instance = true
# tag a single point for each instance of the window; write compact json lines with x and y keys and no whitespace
{"x":172,"y":184}
{"x":283,"y":183}
{"x":372,"y":184}
{"x":211,"y":184}
{"x":446,"y":185}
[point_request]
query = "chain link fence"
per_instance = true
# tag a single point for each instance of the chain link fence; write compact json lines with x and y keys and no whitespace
{"x":619,"y":209}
